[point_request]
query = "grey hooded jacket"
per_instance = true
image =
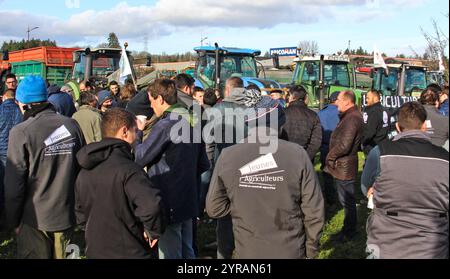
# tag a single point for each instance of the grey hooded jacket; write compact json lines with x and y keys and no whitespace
{"x":274,"y":199}
{"x":228,"y":120}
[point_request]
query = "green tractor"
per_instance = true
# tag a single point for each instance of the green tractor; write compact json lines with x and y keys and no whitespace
{"x":323,"y":75}
{"x":399,"y":84}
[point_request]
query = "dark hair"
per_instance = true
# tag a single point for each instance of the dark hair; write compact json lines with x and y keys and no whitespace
{"x":10,"y":75}
{"x":349,"y":96}
{"x":375,"y":93}
{"x":435,"y":88}
{"x":113,"y":83}
{"x":298,"y":92}
{"x":278,"y":91}
{"x":183,"y":80}
{"x":129,"y":81}
{"x":235,"y":82}
{"x":87,"y":98}
{"x":165,"y":88}
{"x":114,"y":119}
{"x":197,"y":89}
{"x":411,"y":116}
{"x":210,"y":97}
{"x":429,"y":97}
{"x":253,"y":86}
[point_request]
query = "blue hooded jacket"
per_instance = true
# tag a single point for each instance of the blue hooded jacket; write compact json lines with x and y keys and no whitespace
{"x":329,"y":118}
{"x":62,"y":101}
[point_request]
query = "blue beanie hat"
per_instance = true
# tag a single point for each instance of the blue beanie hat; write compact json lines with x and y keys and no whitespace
{"x":32,"y":89}
{"x":103,"y":96}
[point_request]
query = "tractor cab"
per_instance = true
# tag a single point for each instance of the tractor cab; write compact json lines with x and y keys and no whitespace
{"x":323,"y":75}
{"x":97,"y":64}
{"x":400,"y":80}
{"x":215,"y":65}
{"x":436,"y":77}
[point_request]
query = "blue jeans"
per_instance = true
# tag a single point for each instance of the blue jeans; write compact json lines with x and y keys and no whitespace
{"x":225,"y":238}
{"x":176,"y":242}
{"x":346,"y":194}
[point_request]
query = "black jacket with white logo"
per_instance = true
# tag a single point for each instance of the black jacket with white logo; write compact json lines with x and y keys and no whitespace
{"x":376,"y":126}
{"x":41,"y":170}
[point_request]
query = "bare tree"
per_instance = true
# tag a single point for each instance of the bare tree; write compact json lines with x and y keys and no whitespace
{"x":431,"y":52}
{"x":308,"y":47}
{"x":437,"y":44}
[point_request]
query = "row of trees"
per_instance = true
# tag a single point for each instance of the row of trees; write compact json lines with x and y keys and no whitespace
{"x":20,"y":45}
{"x":113,"y":42}
{"x":164,"y":57}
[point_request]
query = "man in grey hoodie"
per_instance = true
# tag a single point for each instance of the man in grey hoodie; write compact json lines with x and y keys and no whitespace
{"x":227,"y":120}
{"x":271,"y":190}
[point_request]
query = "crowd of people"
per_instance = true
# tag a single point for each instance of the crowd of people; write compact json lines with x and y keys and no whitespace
{"x":136,"y":170}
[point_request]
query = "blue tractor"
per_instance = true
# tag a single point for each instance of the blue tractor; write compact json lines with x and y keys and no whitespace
{"x":234,"y":62}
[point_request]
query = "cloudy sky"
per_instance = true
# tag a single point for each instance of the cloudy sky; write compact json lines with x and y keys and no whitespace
{"x":177,"y":26}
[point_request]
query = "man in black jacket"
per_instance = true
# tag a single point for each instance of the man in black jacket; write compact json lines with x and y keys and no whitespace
{"x":40,"y":175}
{"x":376,"y":122}
{"x":121,"y":211}
{"x":302,"y":124}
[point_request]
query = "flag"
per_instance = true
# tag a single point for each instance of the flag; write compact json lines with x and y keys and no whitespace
{"x":125,"y":68}
{"x":441,"y":64}
{"x":378,"y":59}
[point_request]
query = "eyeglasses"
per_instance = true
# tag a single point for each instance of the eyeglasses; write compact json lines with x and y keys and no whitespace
{"x":11,"y":82}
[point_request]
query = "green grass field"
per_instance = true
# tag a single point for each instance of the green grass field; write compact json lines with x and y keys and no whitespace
{"x":206,"y":234}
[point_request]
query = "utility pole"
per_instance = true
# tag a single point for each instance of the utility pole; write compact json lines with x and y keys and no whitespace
{"x":202,"y":39}
{"x":29,"y":30}
{"x":146,"y":43}
{"x":349,"y":49}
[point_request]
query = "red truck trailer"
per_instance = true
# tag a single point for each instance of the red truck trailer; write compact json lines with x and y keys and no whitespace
{"x":52,"y":63}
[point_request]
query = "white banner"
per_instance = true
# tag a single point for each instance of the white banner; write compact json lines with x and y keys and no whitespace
{"x":125,"y":68}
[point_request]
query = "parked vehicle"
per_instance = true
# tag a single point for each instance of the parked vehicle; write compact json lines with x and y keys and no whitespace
{"x":51,"y":63}
{"x":233,"y":62}
{"x":322,"y":75}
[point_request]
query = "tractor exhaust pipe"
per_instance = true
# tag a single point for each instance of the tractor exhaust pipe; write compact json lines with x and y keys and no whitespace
{"x":321,"y":82}
{"x":89,"y":66}
{"x":217,"y":67}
